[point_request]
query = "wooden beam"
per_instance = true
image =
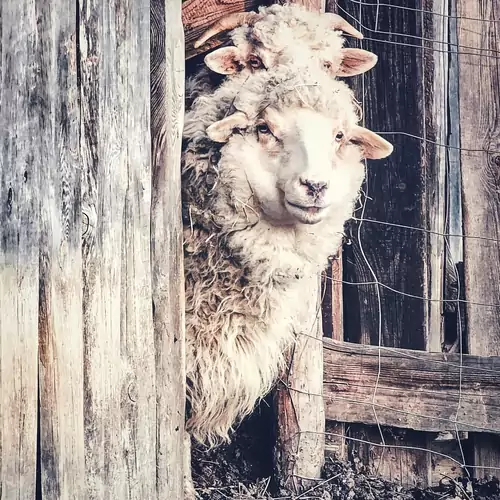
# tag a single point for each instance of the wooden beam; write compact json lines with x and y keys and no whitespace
{"x":167,"y":118}
{"x":20,"y":192}
{"x":478,"y":28}
{"x":413,"y":389}
{"x":198,"y":15}
{"x":54,"y":97}
{"x":120,"y":428}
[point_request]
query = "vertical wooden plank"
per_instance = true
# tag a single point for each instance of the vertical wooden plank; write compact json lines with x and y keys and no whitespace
{"x":119,"y":369}
{"x":55,"y":101}
{"x":167,"y":117}
{"x":299,"y":453}
{"x":20,"y":164}
{"x":405,"y":92}
{"x":300,"y":447}
{"x":479,"y":70}
{"x":60,"y":352}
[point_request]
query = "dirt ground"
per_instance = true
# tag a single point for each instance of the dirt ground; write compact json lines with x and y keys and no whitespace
{"x":242,"y":471}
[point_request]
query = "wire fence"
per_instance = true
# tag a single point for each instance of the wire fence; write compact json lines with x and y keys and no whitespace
{"x":378,"y":37}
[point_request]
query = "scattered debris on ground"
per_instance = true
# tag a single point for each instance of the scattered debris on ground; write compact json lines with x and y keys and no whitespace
{"x":242,"y":471}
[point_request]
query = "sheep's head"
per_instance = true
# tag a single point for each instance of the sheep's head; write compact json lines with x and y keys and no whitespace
{"x":297,"y":153}
{"x":283,"y":34}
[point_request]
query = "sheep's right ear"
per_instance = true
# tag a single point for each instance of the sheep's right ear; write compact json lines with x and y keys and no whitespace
{"x":372,"y":146}
{"x":221,"y":131}
{"x":356,"y":61}
{"x":225,"y":61}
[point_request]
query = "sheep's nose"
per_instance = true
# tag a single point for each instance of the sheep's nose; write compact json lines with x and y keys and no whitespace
{"x":314,"y":188}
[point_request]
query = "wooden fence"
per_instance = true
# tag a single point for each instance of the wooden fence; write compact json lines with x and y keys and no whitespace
{"x":91,"y":281}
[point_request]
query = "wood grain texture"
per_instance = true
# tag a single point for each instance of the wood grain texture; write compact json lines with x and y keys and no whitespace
{"x":167,"y":117}
{"x":300,"y":446}
{"x":479,"y":81}
{"x":198,"y":15}
{"x":20,"y":174}
{"x":413,"y":389}
{"x":55,"y":103}
{"x":119,"y":343}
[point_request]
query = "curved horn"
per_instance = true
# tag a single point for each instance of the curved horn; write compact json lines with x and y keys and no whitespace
{"x":227,"y":23}
{"x":340,"y":23}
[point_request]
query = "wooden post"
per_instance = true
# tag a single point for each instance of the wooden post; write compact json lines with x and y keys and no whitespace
{"x":300,"y":439}
{"x":167,"y":117}
{"x":20,"y":176}
{"x":479,"y":139}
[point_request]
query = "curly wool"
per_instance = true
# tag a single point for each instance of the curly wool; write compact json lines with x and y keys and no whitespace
{"x":243,"y":274}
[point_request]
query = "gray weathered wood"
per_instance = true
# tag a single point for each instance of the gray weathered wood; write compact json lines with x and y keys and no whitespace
{"x":414,"y":389}
{"x":20,"y":169}
{"x":299,"y":453}
{"x":120,"y":391}
{"x":480,"y":130}
{"x":54,"y":99}
{"x":167,"y":116}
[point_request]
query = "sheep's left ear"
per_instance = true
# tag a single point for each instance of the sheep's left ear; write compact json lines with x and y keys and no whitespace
{"x":373,"y":146}
{"x":221,"y":131}
{"x":225,"y":61}
{"x":356,"y":61}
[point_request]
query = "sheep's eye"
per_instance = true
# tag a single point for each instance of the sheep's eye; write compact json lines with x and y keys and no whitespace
{"x":262,"y":128}
{"x":339,"y":136}
{"x":327,"y":65}
{"x":255,"y":62}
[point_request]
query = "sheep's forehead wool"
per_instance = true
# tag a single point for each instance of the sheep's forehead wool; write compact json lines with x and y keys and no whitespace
{"x":283,"y":88}
{"x":282,"y":26}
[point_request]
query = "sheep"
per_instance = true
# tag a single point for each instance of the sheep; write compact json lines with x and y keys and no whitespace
{"x":271,"y":169}
{"x":279,"y":34}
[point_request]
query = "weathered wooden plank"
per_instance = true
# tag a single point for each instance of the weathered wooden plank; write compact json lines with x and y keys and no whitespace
{"x":479,"y":130}
{"x":197,"y":16}
{"x":411,"y":389}
{"x":119,"y":370}
{"x":54,"y":101}
{"x":167,"y":118}
{"x":20,"y":166}
{"x":299,"y":453}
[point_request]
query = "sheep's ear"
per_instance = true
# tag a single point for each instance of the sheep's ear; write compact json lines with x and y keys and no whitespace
{"x":225,"y":61}
{"x":373,"y":146}
{"x":356,"y":61}
{"x":221,"y":131}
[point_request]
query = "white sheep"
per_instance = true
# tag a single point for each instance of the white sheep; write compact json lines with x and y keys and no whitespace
{"x":270,"y":173}
{"x":280,"y":34}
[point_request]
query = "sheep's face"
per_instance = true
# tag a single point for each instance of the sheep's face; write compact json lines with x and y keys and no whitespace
{"x":297,"y":164}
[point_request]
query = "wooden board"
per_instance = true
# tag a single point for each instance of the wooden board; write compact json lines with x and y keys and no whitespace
{"x":479,"y":129}
{"x":167,"y":118}
{"x":299,"y":453}
{"x":20,"y":178}
{"x":414,"y":389}
{"x":119,"y":342}
{"x":198,"y":15}
{"x":55,"y":102}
